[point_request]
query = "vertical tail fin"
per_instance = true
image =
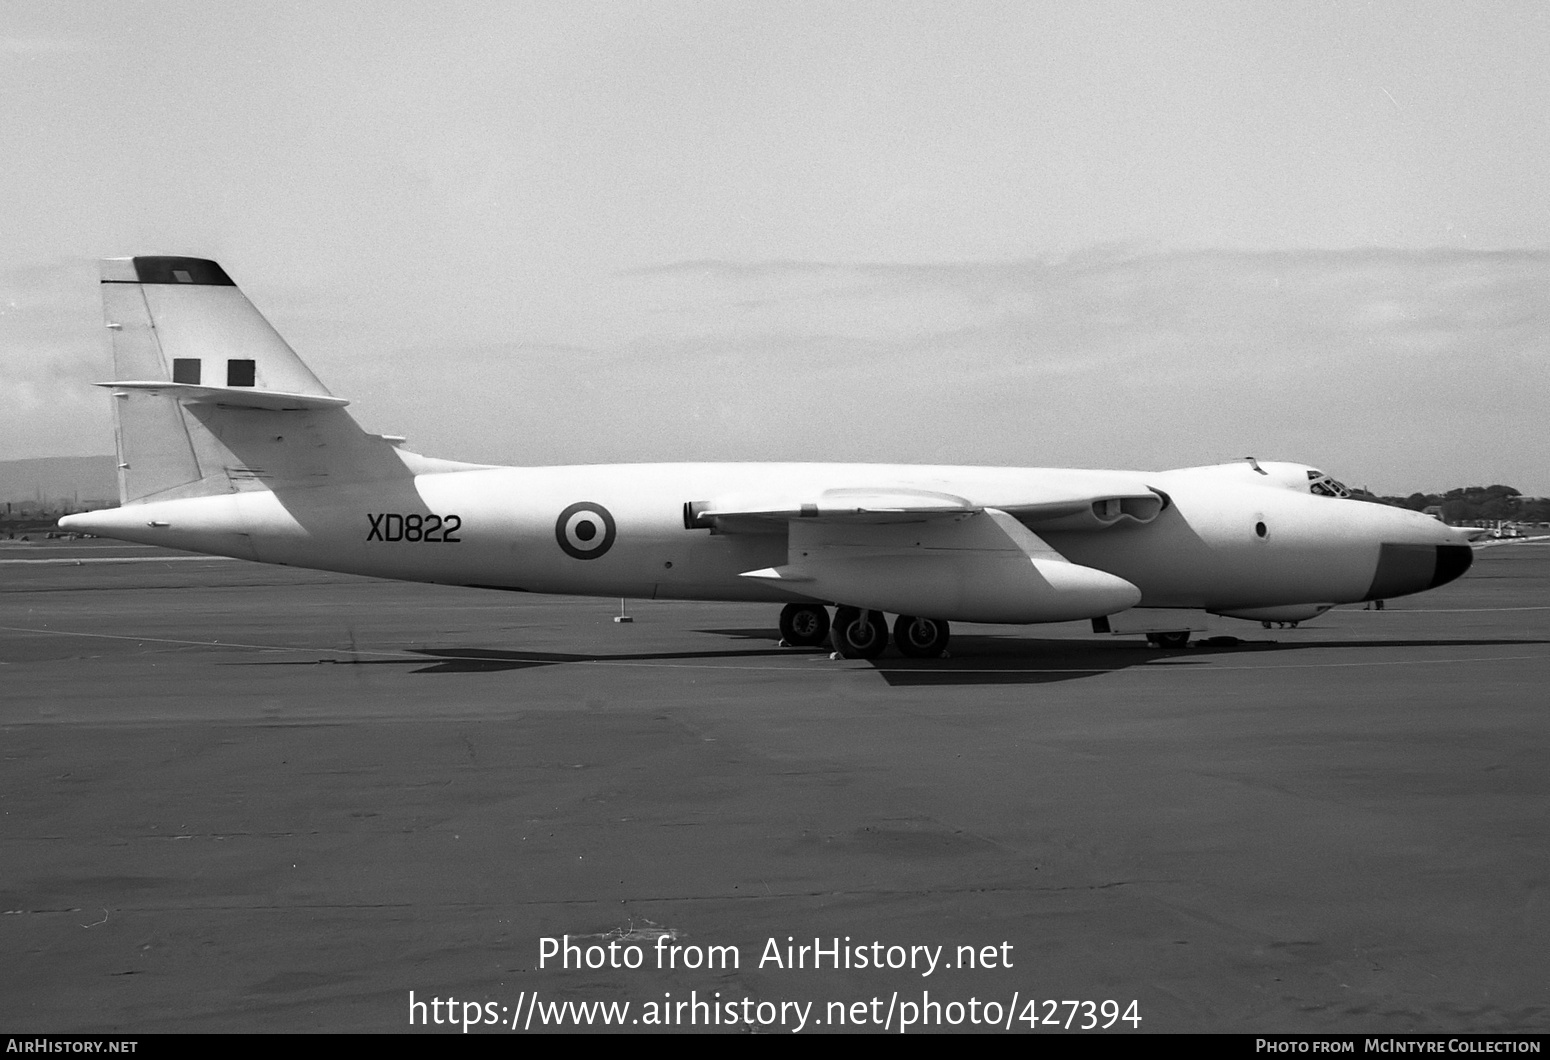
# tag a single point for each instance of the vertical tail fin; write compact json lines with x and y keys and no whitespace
{"x":210,"y":399}
{"x":204,"y":331}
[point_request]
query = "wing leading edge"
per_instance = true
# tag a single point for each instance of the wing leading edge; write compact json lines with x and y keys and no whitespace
{"x":1046,"y":508}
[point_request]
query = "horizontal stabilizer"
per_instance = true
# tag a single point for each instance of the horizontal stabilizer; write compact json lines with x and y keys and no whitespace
{"x":233,"y":396}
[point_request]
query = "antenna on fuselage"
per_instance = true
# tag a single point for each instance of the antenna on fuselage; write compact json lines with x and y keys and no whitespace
{"x":1255,"y":465}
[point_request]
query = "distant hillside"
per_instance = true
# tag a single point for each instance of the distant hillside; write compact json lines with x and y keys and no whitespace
{"x":59,"y":478}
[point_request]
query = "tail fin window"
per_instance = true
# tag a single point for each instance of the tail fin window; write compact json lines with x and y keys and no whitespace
{"x":240,"y":373}
{"x":186,"y":370}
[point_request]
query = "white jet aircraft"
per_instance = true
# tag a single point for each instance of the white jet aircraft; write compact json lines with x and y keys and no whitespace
{"x":228,"y":445}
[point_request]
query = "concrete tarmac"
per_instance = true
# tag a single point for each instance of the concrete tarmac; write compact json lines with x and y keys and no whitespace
{"x":241,"y":798}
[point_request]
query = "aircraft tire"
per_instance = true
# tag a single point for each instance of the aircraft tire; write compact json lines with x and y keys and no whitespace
{"x":804,"y":625}
{"x":920,"y":638}
{"x":850,"y":643}
{"x":1173,"y":639}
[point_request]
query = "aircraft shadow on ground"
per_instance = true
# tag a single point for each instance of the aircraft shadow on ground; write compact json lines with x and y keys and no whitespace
{"x":494,"y":660}
{"x":984,"y":660}
{"x":1003,"y":660}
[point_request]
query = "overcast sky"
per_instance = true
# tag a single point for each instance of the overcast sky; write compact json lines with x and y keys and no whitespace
{"x":1081,"y":234}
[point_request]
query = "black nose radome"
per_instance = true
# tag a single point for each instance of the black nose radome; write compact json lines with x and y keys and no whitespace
{"x":1404,"y":569}
{"x":1452,"y":562}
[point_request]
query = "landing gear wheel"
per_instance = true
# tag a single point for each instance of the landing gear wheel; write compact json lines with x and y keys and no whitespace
{"x":859,"y":634}
{"x":1174,"y":639}
{"x":920,"y":638}
{"x":804,"y":625}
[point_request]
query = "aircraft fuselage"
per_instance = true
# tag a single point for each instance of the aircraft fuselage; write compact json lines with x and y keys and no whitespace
{"x":1224,"y":541}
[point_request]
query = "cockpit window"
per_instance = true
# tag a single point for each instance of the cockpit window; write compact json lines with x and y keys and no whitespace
{"x":1324,"y":486}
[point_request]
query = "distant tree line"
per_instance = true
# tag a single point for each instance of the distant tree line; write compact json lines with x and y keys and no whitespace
{"x":1471,"y":504}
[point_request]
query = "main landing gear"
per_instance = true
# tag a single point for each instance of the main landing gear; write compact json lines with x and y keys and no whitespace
{"x":858,"y":634}
{"x":920,"y":638}
{"x":804,"y":625}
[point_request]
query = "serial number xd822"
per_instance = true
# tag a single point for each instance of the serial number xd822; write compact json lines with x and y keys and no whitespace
{"x":435,"y":529}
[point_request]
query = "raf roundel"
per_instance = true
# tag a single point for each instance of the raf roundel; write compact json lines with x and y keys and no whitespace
{"x":585,"y":530}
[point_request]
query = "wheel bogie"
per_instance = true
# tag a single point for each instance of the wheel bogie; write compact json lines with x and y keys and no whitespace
{"x":804,"y":625}
{"x":920,"y":638}
{"x":858,"y":634}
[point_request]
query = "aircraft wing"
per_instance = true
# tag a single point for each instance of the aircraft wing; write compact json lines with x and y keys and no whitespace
{"x":922,"y":552}
{"x":984,"y":566}
{"x":1046,"y":507}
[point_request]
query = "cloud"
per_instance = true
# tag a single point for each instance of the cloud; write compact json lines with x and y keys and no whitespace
{"x":52,"y":347}
{"x":1396,"y":369}
{"x":1399,"y":368}
{"x":40,"y":46}
{"x":1036,"y":317}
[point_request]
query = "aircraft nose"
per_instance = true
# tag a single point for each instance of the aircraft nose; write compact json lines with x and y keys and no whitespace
{"x":1406,"y":568}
